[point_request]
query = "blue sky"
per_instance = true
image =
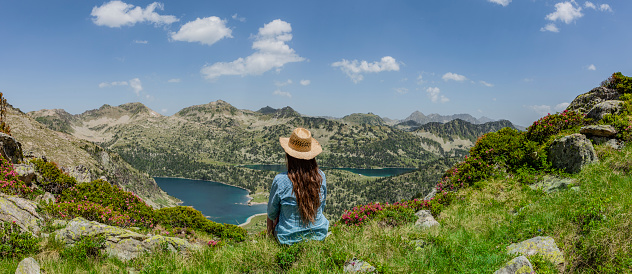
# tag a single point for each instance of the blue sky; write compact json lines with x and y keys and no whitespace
{"x":503,"y":59}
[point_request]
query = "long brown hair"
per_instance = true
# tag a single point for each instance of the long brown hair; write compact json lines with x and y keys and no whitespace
{"x":306,"y":180}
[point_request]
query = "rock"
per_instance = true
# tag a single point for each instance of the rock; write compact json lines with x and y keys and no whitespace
{"x":418,"y":244}
{"x":615,"y":144}
{"x":355,"y":265}
{"x":25,"y":172}
{"x":121,"y":243}
{"x":599,"y":130}
{"x":583,"y":103}
{"x":10,"y":148}
{"x":551,"y":184}
{"x":46,"y":197}
{"x":518,"y":265}
{"x":28,"y":266}
{"x":606,"y":107}
{"x":571,"y":153}
{"x":431,"y":195}
{"x":21,"y":211}
{"x":425,"y":219}
{"x":544,"y":246}
{"x":80,"y":172}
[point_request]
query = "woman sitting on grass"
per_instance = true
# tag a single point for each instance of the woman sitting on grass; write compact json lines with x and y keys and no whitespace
{"x":297,"y":197}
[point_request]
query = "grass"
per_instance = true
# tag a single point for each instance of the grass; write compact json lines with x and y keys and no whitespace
{"x":591,"y":226}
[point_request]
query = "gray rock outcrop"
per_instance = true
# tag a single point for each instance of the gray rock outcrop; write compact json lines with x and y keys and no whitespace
{"x":544,"y":246}
{"x":26,"y":172}
{"x":571,"y":153}
{"x":425,"y":219}
{"x":28,"y":266}
{"x":431,"y":195}
{"x":121,"y":243}
{"x":551,"y":184}
{"x":355,"y":265}
{"x":583,"y":103}
{"x":599,"y":130}
{"x":519,"y":265}
{"x":21,"y":211}
{"x":10,"y":148}
{"x":606,"y":107}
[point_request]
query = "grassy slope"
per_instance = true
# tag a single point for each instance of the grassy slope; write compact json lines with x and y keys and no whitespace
{"x":475,"y":231}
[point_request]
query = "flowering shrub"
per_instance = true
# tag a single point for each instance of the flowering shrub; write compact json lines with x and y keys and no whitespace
{"x":618,"y":81}
{"x":188,"y":217}
{"x":54,"y":180}
{"x":358,"y":215}
{"x":16,"y":243}
{"x":100,"y":201}
{"x":553,"y":124}
{"x":11,"y":184}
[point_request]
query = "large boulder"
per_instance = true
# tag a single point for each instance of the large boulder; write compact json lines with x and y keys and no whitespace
{"x":583,"y":103}
{"x":544,"y":246}
{"x":599,"y":130}
{"x":10,"y":148}
{"x":571,"y":153}
{"x":519,"y":265}
{"x":28,"y":266}
{"x":21,"y":211}
{"x":121,"y":243}
{"x":606,"y":107}
{"x":26,"y":172}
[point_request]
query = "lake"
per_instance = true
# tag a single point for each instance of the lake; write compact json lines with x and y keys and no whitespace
{"x":219,"y":202}
{"x":371,"y":172}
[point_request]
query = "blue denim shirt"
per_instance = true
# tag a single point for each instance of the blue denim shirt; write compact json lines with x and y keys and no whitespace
{"x":282,"y":203}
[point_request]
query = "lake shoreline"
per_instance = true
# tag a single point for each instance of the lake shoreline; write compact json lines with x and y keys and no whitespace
{"x":250,"y":219}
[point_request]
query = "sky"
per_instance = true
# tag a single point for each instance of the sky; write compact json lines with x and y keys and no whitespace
{"x":503,"y":59}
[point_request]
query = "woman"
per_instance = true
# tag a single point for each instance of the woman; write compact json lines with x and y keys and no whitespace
{"x":297,"y":197}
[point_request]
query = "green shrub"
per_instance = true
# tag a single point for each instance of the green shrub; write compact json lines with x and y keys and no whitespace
{"x":188,"y":217}
{"x":622,"y":121}
{"x":618,"y":81}
{"x":288,"y":255}
{"x":11,"y":184}
{"x":54,"y":180}
{"x":103,"y":202}
{"x":16,"y":243}
{"x":86,"y":247}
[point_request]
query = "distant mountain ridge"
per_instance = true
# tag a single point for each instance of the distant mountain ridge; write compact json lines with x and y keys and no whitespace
{"x":422,"y":119}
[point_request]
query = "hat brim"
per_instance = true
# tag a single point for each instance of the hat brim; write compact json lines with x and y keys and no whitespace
{"x":308,"y":155}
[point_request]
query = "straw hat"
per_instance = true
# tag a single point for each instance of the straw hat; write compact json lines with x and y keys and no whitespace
{"x":301,"y":145}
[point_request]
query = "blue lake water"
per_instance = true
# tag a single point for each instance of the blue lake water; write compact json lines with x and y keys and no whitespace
{"x":371,"y":172}
{"x":219,"y":202}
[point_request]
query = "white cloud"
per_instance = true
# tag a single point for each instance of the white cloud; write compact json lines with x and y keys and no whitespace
{"x":550,"y":27}
{"x":282,"y":84}
{"x":207,"y":31}
{"x":590,"y":5}
{"x":355,"y":69}
{"x":175,"y":80}
{"x":111,"y":84}
{"x":420,"y":79}
{"x":486,"y":84}
{"x":401,"y":90}
{"x":561,"y":106}
{"x":566,"y":12}
{"x":592,"y":67}
{"x":546,"y":109}
{"x":115,"y":14}
{"x":435,"y":95}
{"x":453,"y":76}
{"x":503,"y":3}
{"x":305,"y":82}
{"x":271,"y":51}
{"x":282,"y":93}
{"x":240,"y":19}
{"x":605,"y":7}
{"x":136,"y":86}
{"x":141,"y":41}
